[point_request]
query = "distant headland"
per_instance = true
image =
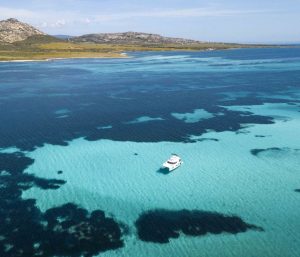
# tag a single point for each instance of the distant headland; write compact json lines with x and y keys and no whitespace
{"x":21,"y":41}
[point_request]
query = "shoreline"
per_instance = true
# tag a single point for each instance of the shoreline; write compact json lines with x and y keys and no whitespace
{"x":124,"y":56}
{"x":121,"y":55}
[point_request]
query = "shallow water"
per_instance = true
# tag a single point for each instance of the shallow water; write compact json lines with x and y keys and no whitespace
{"x":98,"y":131}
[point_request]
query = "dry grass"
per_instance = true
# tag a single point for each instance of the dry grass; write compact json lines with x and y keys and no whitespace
{"x":39,"y":48}
{"x":21,"y":55}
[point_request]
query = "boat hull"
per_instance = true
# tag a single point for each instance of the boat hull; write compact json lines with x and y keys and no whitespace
{"x":172,"y":167}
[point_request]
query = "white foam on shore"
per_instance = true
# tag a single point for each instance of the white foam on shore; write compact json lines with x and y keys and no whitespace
{"x":122,"y":55}
{"x":23,"y":61}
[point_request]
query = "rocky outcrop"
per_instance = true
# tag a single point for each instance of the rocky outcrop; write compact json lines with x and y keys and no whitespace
{"x":131,"y":38}
{"x":12,"y":30}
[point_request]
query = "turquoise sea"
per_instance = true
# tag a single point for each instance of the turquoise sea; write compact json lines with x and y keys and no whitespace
{"x":82,"y":142}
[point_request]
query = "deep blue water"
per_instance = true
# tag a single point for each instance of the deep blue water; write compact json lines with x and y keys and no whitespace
{"x":111,"y":92}
{"x":152,"y":97}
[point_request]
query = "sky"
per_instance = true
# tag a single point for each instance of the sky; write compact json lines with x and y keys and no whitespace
{"x":255,"y":21}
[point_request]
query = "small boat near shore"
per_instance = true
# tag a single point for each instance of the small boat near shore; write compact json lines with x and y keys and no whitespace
{"x":172,"y":163}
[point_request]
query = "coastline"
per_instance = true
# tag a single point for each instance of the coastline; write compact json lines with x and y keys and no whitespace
{"x":113,"y":56}
{"x":122,"y":55}
{"x":65,"y":58}
{"x":65,"y":50}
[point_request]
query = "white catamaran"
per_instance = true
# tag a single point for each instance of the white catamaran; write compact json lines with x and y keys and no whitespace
{"x":173,"y":162}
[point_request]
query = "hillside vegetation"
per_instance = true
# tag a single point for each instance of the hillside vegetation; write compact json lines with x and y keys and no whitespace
{"x":46,"y":47}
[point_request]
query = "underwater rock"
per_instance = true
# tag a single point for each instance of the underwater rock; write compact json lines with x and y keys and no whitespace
{"x":256,"y":152}
{"x":207,"y":139}
{"x":66,"y":230}
{"x":276,"y":151}
{"x":159,"y":226}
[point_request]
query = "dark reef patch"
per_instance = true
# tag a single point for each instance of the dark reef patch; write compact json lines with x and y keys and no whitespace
{"x":63,"y":231}
{"x":72,"y":231}
{"x":297,"y":190}
{"x":282,"y":151}
{"x":60,"y":172}
{"x":242,"y":132}
{"x":159,"y":226}
{"x":208,"y":139}
{"x":260,"y":136}
{"x":256,"y":152}
{"x":14,"y":163}
{"x":48,"y":183}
